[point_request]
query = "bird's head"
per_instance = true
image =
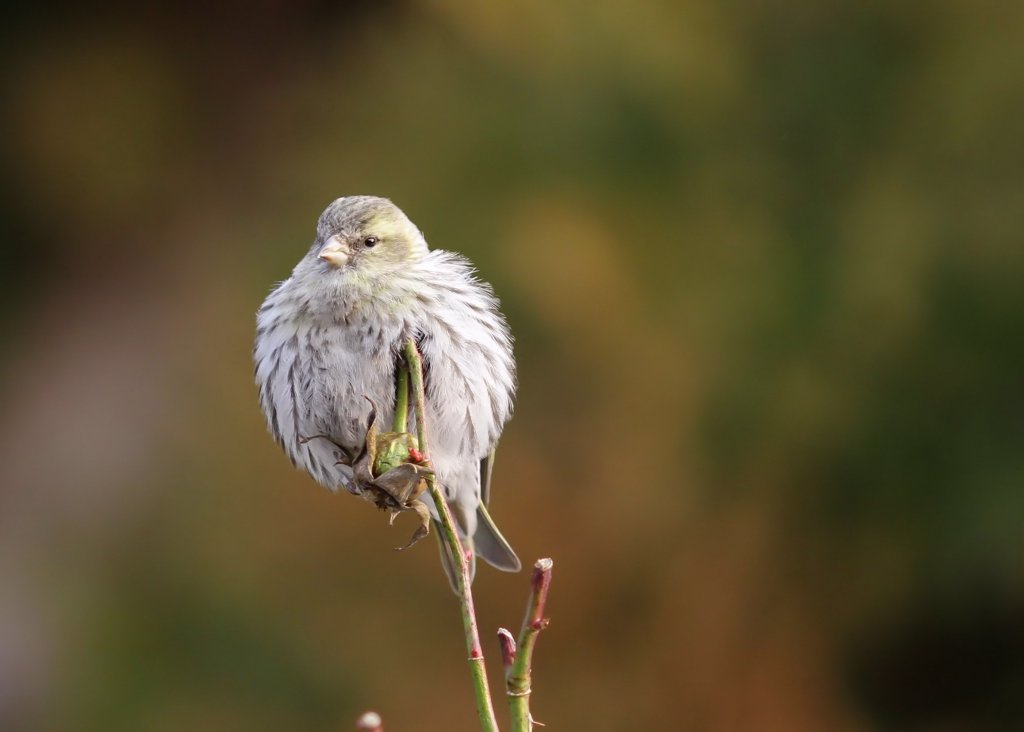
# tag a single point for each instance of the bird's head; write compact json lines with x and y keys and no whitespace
{"x":362,"y":237}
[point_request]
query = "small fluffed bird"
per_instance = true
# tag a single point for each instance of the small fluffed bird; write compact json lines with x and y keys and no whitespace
{"x":328,"y":341}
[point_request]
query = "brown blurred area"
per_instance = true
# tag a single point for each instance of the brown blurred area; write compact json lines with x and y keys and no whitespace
{"x":763,"y":262}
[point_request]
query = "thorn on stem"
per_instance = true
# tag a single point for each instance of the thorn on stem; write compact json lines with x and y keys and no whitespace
{"x":508,"y":647}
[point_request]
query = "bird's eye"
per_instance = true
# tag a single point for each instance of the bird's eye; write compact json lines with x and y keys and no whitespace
{"x":370,"y":241}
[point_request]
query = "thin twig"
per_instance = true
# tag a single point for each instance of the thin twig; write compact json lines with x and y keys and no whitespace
{"x":519,"y":656}
{"x":478,"y":670}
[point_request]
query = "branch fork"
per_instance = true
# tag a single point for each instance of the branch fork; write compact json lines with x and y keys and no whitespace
{"x":477,"y":667}
{"x":516,"y":656}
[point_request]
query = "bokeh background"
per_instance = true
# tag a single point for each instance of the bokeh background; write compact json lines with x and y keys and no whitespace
{"x":764,"y":262}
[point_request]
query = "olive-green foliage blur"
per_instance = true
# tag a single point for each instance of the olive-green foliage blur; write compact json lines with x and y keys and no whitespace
{"x":764,"y":264}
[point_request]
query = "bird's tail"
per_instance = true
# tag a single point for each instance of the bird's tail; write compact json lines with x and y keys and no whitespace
{"x":492,"y":547}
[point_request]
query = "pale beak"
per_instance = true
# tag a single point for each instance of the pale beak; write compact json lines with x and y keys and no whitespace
{"x":335,"y":252}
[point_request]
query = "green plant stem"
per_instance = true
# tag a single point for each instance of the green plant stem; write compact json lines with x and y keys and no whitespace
{"x":518,"y":657}
{"x":401,"y":419}
{"x":477,"y":667}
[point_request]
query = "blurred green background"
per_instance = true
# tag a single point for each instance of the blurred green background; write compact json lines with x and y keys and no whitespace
{"x":765,"y":265}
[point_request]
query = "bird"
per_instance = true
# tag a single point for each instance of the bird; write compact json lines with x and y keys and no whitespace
{"x":328,"y":342}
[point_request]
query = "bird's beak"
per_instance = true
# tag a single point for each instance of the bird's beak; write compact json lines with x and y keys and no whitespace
{"x":335,"y":252}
